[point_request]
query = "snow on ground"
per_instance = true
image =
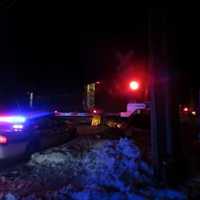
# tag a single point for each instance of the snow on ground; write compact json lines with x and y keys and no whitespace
{"x":86,"y":170}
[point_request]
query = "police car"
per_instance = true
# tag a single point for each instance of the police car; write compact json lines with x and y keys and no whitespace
{"x":13,"y":141}
{"x":22,"y":136}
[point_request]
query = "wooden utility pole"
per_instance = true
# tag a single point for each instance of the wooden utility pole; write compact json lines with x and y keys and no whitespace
{"x":164,"y":105}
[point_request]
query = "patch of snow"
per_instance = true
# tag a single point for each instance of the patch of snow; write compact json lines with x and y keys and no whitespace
{"x":166,"y":194}
{"x":50,"y":159}
{"x":135,"y":197}
{"x":84,"y":195}
{"x":10,"y":196}
{"x":113,"y":164}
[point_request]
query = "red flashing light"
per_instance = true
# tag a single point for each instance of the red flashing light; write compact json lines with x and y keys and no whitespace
{"x":98,"y":82}
{"x":94,"y":111}
{"x":134,"y":85}
{"x":3,"y":139}
{"x":186,"y":109}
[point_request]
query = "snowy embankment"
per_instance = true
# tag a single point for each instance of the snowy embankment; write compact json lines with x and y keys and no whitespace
{"x":91,"y":170}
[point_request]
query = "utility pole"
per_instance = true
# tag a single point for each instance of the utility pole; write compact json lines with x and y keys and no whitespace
{"x":31,"y":96}
{"x":165,"y":145}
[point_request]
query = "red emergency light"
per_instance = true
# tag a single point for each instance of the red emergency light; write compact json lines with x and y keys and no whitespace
{"x":134,"y":85}
{"x":3,"y":139}
{"x":186,"y":109}
{"x":94,"y":111}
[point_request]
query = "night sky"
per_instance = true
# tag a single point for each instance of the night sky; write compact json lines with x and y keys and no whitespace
{"x":51,"y":51}
{"x":54,"y":50}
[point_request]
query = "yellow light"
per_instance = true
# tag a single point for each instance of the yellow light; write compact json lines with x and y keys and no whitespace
{"x":96,"y":120}
{"x":119,"y":125}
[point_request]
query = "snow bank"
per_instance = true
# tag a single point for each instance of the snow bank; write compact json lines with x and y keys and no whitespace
{"x":10,"y":196}
{"x":50,"y":159}
{"x":113,"y":164}
{"x":110,"y":170}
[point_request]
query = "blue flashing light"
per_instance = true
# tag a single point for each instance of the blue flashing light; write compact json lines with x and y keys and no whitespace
{"x":12,"y":119}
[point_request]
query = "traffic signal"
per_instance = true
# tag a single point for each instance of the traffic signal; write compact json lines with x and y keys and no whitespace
{"x":134,"y":85}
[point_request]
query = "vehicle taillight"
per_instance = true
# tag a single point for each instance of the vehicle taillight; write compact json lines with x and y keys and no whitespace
{"x":3,"y":139}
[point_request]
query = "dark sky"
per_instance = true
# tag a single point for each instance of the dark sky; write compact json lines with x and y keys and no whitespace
{"x":58,"y":50}
{"x":52,"y":50}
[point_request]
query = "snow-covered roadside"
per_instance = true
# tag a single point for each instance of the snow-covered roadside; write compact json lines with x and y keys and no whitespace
{"x":92,"y":170}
